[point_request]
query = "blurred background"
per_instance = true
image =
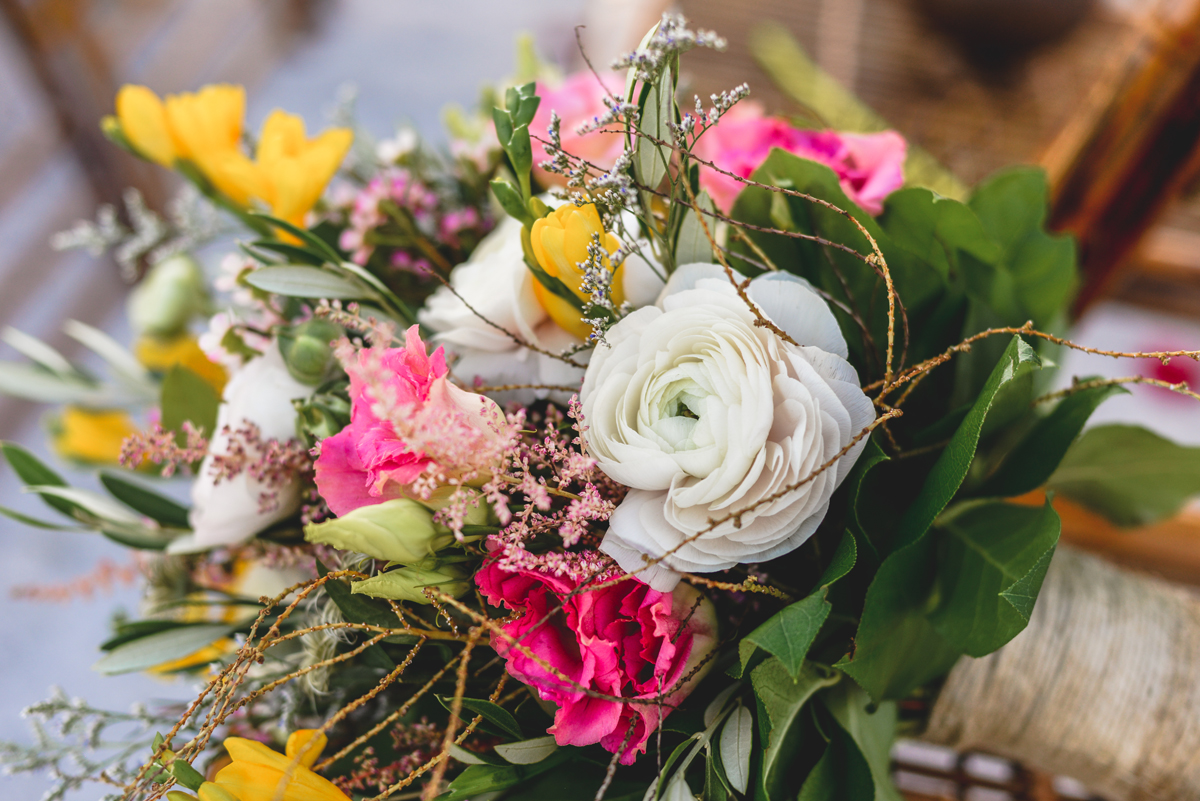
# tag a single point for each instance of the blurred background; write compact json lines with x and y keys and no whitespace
{"x":1105,"y":94}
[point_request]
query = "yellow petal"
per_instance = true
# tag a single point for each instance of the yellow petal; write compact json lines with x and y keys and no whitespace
{"x":92,"y":436}
{"x":282,"y":136}
{"x":251,"y":782}
{"x":215,"y":792}
{"x":307,"y":744}
{"x":163,"y":354}
{"x":233,"y":174}
{"x":144,"y":123}
{"x":561,"y":312}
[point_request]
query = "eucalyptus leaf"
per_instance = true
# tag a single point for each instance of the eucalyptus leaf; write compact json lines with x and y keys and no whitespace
{"x":292,"y":253}
{"x":37,"y":350}
{"x":27,"y":381}
{"x":310,"y":239}
{"x":658,"y":109}
{"x":736,"y":743}
{"x":897,"y":648}
{"x":90,"y":503}
{"x":123,"y":363}
{"x":527,"y":752}
{"x":32,"y":471}
{"x":13,"y":514}
{"x":692,"y":246}
{"x":155,"y":649}
{"x":990,"y":572}
{"x":302,"y":281}
{"x":146,"y":501}
{"x":1129,"y":474}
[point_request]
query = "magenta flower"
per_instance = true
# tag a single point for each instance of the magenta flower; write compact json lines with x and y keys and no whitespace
{"x":407,"y":423}
{"x":626,"y":641}
{"x":869,"y":166}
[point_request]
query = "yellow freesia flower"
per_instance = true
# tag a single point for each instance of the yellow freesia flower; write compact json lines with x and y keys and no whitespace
{"x":257,"y":772}
{"x":202,"y":127}
{"x":292,"y":170}
{"x":87,"y":435}
{"x":560,"y":242}
{"x":163,"y":354}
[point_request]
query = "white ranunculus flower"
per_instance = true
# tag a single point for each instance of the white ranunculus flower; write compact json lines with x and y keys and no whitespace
{"x":499,"y":286}
{"x":704,"y":414}
{"x":225,"y":513}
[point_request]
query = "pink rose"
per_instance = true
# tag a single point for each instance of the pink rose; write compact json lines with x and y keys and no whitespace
{"x":433,"y":428}
{"x":623,"y":640}
{"x":579,"y":99}
{"x":869,"y":166}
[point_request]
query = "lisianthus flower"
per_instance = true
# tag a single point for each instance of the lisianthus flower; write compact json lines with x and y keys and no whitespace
{"x":91,"y":435}
{"x":257,"y":773}
{"x":706,"y":415}
{"x":290,"y":170}
{"x":627,"y":640}
{"x":407,"y":422}
{"x":577,"y":100}
{"x":869,"y":166}
{"x":229,"y":510}
{"x":204,"y":128}
{"x":494,"y":292}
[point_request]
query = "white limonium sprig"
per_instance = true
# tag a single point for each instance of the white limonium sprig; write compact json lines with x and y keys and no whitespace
{"x":694,"y":125}
{"x":597,"y":283}
{"x":670,"y":39}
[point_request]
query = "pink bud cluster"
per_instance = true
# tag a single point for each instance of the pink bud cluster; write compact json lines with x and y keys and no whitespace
{"x":160,"y":447}
{"x":273,"y":463}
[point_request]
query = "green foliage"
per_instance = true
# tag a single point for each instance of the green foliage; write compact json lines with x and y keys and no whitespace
{"x":501,"y":719}
{"x":145,"y":501}
{"x":31,"y":470}
{"x":1129,"y":474}
{"x":783,"y":699}
{"x":186,"y":397}
{"x":163,"y":646}
{"x":479,"y":779}
{"x":990,"y":572}
{"x":897,"y":647}
{"x":872,"y":729}
{"x":303,"y":281}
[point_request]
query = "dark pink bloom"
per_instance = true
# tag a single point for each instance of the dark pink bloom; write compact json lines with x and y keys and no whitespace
{"x":625,"y":640}
{"x":869,"y":166}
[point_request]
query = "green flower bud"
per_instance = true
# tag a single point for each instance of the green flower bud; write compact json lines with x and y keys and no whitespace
{"x":409,"y":583}
{"x":399,"y":530}
{"x":321,"y":416}
{"x":172,"y":293}
{"x":308,"y":350}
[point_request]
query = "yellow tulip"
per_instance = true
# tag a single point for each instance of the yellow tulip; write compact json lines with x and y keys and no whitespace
{"x":292,"y":170}
{"x":560,"y":242}
{"x":87,"y":435}
{"x":143,"y":120}
{"x":257,"y":772}
{"x":161,"y":355}
{"x":207,"y":792}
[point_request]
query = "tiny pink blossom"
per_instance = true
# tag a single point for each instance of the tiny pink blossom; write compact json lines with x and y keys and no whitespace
{"x":626,"y":641}
{"x":869,"y":166}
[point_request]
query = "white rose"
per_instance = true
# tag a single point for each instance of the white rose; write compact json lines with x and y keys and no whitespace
{"x":498,"y":285}
{"x":228,"y":512}
{"x":703,"y":414}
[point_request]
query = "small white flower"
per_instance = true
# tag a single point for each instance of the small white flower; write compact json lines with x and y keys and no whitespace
{"x":703,"y":414}
{"x":229,"y":512}
{"x":498,"y":285}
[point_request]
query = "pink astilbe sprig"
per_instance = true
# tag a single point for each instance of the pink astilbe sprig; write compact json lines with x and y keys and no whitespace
{"x":273,"y":463}
{"x":160,"y":447}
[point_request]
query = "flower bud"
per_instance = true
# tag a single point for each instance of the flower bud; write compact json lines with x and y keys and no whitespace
{"x":560,"y":243}
{"x":171,"y":294}
{"x":409,"y":583}
{"x":399,"y":530}
{"x":308,"y":350}
{"x":321,"y":416}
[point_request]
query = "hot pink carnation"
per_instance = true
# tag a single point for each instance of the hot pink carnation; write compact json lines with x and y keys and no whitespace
{"x":869,"y":166}
{"x":445,"y":429}
{"x":577,"y":100}
{"x":625,"y":640}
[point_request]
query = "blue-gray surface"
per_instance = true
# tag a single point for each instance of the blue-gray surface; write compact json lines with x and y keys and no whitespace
{"x":408,"y":59}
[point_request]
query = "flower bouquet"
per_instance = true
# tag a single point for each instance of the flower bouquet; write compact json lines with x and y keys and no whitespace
{"x":684,"y":461}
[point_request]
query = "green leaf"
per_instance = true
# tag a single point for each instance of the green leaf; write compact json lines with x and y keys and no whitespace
{"x":509,"y":198}
{"x":41,"y":353}
{"x":692,"y":246}
{"x":897,"y":648}
{"x":155,"y":649}
{"x":188,"y":397}
{"x":31,"y":470}
{"x":123,"y":363}
{"x":361,"y":609}
{"x":85,"y":503}
{"x":783,"y":698}
{"x":842,"y":773}
{"x":520,"y":150}
{"x":493,"y":713}
{"x":186,"y":775}
{"x":1012,"y":207}
{"x":36,"y":384}
{"x":842,"y":562}
{"x":291,"y":252}
{"x":315,"y":242}
{"x":477,"y":780}
{"x":146,"y":501}
{"x":736,"y":744}
{"x":657,"y":110}
{"x":1032,"y":461}
{"x":138,"y":536}
{"x":12,"y":514}
{"x":1129,"y":474}
{"x":873,"y":730}
{"x":300,"y":281}
{"x":527,"y":752}
{"x":936,"y":229}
